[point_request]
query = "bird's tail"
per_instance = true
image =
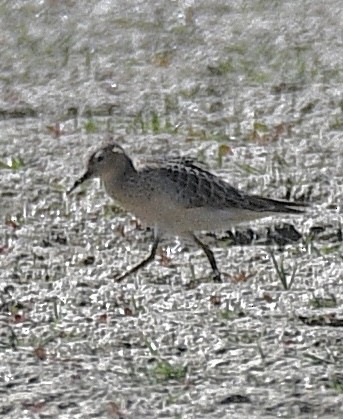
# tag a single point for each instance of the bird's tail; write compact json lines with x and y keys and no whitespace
{"x":275,"y":205}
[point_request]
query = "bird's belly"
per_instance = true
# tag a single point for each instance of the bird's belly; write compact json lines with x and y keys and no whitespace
{"x":176,"y":220}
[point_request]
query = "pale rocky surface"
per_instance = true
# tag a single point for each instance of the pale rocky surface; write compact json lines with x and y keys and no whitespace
{"x":261,"y":77}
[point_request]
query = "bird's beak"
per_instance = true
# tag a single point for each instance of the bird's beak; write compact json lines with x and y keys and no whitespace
{"x":82,"y":179}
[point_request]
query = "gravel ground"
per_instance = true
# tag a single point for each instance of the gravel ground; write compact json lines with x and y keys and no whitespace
{"x":251,"y":88}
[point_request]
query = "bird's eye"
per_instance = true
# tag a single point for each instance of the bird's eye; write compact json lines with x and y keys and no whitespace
{"x":98,"y":157}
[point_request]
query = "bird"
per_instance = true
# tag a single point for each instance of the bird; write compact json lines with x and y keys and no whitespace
{"x":176,"y":196}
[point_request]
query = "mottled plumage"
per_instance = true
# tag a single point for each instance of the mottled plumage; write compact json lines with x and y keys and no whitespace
{"x":177,"y":196}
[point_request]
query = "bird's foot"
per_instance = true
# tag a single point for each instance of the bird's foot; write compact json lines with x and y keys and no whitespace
{"x":217,"y":276}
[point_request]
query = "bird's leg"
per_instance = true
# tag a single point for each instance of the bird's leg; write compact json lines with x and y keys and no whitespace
{"x":149,"y":258}
{"x":210,"y":257}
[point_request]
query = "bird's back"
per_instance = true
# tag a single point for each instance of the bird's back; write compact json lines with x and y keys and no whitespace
{"x":178,"y":195}
{"x":191,"y":186}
